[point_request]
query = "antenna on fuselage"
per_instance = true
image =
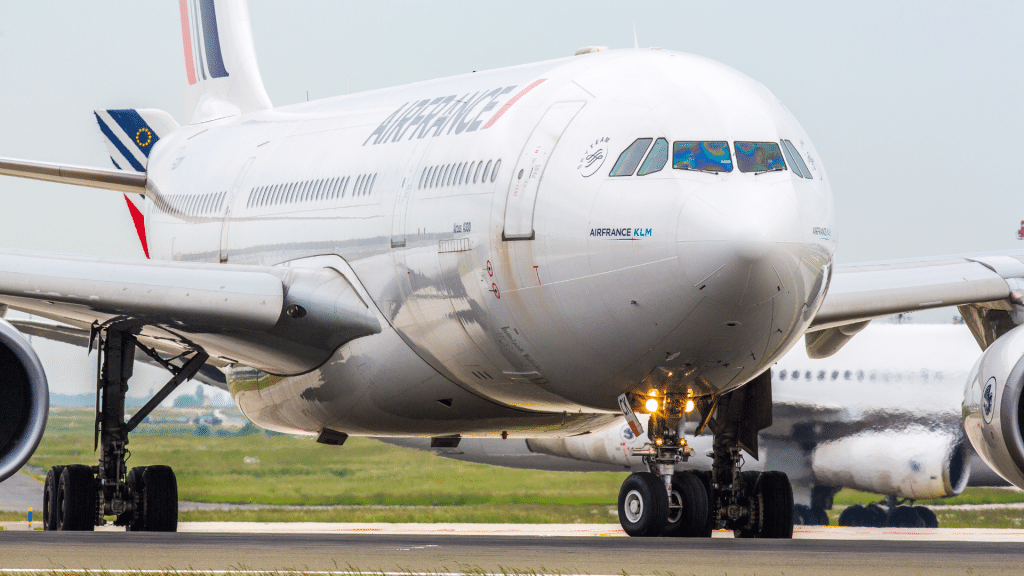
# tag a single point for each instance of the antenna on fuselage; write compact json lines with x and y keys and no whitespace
{"x":636,"y":44}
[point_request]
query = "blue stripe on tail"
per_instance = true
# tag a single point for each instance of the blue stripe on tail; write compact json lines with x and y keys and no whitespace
{"x":117,"y":144}
{"x":136,"y":129}
{"x":211,"y":40}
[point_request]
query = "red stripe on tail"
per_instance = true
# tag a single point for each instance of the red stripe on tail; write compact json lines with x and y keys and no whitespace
{"x":140,"y":224}
{"x":186,"y":37}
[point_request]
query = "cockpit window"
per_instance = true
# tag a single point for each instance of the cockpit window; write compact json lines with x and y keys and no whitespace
{"x":796,"y":161}
{"x":710,"y":156}
{"x":630,"y":157}
{"x":656,"y":158}
{"x":759,"y":157}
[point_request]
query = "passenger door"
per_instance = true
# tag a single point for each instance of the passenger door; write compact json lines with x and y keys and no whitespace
{"x":529,"y":171}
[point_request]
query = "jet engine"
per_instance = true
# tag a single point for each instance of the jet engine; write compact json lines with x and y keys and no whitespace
{"x":916,"y":463}
{"x":25,"y":400}
{"x":993,"y":406}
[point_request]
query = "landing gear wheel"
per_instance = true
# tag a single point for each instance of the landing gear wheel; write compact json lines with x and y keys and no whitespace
{"x":160,"y":499}
{"x":749,"y":482}
{"x":643,"y":504}
{"x":852,"y":516}
{"x":132,"y":520}
{"x":818,"y":516}
{"x":776,"y":500}
{"x":904,"y":517}
{"x":874,"y":516}
{"x":78,"y":498}
{"x":688,"y":506}
{"x":51,"y":506}
{"x":926,"y":514}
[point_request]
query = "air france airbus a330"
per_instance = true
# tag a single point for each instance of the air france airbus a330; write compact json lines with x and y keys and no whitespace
{"x":535,"y":251}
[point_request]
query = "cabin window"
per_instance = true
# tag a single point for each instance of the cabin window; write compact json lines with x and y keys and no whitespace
{"x":759,"y":157}
{"x":372,"y":182}
{"x":796,"y":161}
{"x":631,"y":157}
{"x":487,"y":168}
{"x":656,"y":158}
{"x":494,"y":172}
{"x":474,"y":168}
{"x":707,"y":156}
{"x":422,"y":174}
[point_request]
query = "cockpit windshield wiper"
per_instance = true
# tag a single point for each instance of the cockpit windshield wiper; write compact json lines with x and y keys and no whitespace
{"x":776,"y":169}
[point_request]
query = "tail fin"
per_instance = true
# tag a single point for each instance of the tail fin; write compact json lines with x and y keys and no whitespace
{"x":130,"y":135}
{"x":222,"y":77}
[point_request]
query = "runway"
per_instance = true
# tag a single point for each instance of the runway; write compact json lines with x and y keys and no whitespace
{"x":495,"y":552}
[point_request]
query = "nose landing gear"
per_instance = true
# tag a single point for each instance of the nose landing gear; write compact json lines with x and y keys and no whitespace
{"x":689,"y":504}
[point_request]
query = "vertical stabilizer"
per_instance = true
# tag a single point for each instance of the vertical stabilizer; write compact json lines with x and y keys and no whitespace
{"x":222,"y":77}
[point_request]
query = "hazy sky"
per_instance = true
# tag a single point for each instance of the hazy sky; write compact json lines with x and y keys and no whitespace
{"x":915,"y":107}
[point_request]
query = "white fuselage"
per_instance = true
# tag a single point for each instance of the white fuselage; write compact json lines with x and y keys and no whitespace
{"x":527,"y":294}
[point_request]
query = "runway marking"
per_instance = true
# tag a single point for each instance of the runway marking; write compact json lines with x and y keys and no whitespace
{"x":353,"y":572}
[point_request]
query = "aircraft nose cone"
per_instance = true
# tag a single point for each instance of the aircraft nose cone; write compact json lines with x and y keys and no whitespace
{"x":738,"y":242}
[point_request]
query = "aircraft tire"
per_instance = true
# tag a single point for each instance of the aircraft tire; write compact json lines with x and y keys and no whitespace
{"x":691,"y":517}
{"x":643,"y":504}
{"x":819,"y":516}
{"x":51,"y":506}
{"x":875,"y":516}
{"x":711,"y":524}
{"x":160,"y":499}
{"x":904,"y":517}
{"x":801,"y":515}
{"x":776,"y":495}
{"x":77,"y":495}
{"x":852,"y":516}
{"x":133,"y":521}
{"x":926,"y":514}
{"x":749,"y":481}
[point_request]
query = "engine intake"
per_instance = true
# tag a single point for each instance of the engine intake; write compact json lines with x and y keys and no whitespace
{"x":993,"y":405}
{"x":26,"y":400}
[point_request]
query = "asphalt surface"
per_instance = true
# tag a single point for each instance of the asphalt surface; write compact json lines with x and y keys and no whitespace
{"x":21,"y":492}
{"x":498,"y":554}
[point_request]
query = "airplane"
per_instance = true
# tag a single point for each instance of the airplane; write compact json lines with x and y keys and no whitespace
{"x":896,"y":433}
{"x":504,"y":253}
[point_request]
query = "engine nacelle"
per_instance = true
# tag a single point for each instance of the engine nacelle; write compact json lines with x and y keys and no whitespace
{"x":24,"y":400}
{"x":916,"y":463}
{"x":993,"y":405}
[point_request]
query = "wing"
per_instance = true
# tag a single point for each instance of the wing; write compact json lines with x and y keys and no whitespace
{"x":986,"y":288}
{"x":282,"y":320}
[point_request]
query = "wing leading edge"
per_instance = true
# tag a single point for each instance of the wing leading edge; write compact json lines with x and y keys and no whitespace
{"x":857,"y":294}
{"x":282,"y":320}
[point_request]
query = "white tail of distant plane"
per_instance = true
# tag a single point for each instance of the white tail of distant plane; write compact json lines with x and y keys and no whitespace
{"x":222,"y":77}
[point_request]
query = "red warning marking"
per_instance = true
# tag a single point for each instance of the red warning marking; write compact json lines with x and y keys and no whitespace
{"x":140,"y":224}
{"x":509,"y":104}
{"x":490,"y":269}
{"x":535,"y":269}
{"x":494,"y":288}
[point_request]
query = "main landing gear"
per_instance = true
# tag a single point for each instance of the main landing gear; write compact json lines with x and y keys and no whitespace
{"x":889,"y":513}
{"x":77,"y":497}
{"x":663,"y":502}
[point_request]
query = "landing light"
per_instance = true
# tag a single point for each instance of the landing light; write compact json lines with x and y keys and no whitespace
{"x":652,"y":405}
{"x":689,"y":406}
{"x":652,"y":393}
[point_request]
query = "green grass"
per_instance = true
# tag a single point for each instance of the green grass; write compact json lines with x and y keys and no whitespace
{"x":299,"y":471}
{"x":377,"y":482}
